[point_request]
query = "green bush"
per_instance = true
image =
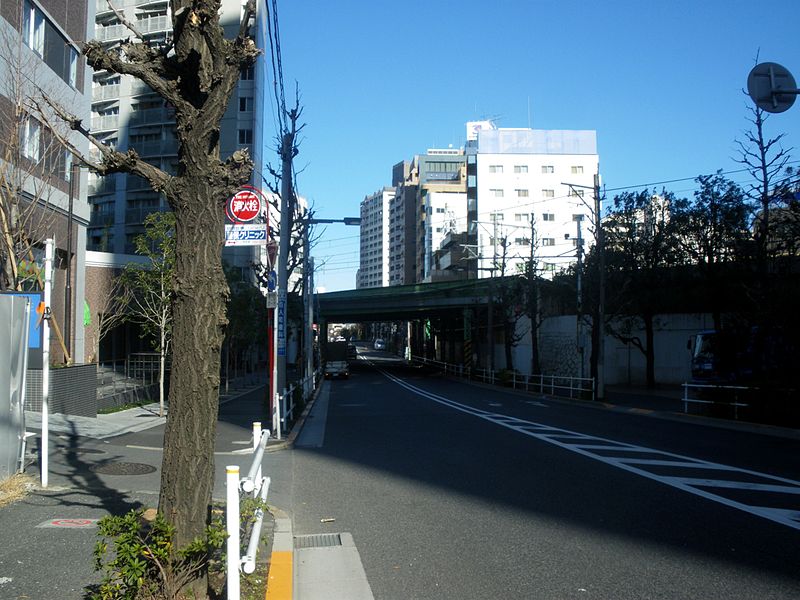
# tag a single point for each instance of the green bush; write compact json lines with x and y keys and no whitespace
{"x":139,"y":561}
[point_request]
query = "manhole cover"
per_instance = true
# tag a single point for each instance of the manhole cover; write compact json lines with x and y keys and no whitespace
{"x":122,"y":468}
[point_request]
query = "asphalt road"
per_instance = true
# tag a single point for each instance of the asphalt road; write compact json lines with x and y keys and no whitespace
{"x":455,"y":491}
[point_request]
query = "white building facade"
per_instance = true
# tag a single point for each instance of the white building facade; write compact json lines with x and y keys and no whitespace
{"x":534,"y":196}
{"x":375,"y":239}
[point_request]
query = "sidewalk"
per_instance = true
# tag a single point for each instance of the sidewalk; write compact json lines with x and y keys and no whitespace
{"x":47,"y":538}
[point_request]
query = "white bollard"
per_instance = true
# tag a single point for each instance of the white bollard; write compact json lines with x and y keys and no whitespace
{"x":232,"y":525}
{"x":256,"y":442}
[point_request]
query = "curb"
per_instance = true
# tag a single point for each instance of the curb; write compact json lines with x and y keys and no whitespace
{"x":280,"y":580}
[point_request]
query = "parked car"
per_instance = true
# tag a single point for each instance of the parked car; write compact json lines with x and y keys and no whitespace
{"x":379,"y":344}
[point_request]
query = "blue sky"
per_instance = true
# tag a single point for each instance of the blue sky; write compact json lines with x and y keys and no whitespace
{"x":660,"y":82}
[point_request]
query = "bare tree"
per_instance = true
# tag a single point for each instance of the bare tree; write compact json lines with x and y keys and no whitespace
{"x":765,"y":159}
{"x":148,"y":287}
{"x":196,"y":73}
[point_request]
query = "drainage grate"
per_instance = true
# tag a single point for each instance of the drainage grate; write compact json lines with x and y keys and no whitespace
{"x":319,"y":540}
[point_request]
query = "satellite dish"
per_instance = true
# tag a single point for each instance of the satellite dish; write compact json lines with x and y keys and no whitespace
{"x":771,"y":87}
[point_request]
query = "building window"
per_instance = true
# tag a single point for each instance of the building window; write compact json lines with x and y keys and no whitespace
{"x":44,"y":39}
{"x":548,"y":169}
{"x":522,"y":193}
{"x":248,"y":73}
{"x":495,"y":168}
{"x":549,"y":267}
{"x":72,"y":74}
{"x":577,"y":170}
{"x":497,"y":217}
{"x":548,"y":193}
{"x":497,"y":193}
{"x":548,"y":241}
{"x":246,"y":104}
{"x":548,"y":217}
{"x":33,"y":28}
{"x":573,"y":193}
{"x":520,"y":168}
{"x":523,"y":241}
{"x":30,"y":135}
{"x":577,"y":218}
{"x":245,"y":136}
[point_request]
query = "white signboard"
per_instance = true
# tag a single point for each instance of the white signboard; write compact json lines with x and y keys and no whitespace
{"x":246,"y":235}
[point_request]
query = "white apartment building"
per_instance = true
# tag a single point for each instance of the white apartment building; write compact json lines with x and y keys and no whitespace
{"x":523,"y":196}
{"x":127,"y":114}
{"x":446,"y":212}
{"x":375,"y":239}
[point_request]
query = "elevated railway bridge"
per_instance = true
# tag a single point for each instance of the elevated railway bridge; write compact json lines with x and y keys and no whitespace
{"x":448,"y":321}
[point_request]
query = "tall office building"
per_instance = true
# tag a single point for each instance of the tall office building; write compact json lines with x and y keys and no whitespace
{"x":127,"y":114}
{"x":46,"y":196}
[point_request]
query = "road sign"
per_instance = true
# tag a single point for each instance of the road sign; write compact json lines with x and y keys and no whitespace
{"x":244,"y":205}
{"x":252,"y":234}
{"x":281,"y":322}
{"x":771,"y":87}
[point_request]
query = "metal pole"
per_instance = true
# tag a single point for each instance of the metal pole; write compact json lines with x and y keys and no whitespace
{"x":601,"y":290}
{"x":579,"y":299}
{"x":232,"y":525}
{"x":307,"y":301}
{"x":48,"y":284}
{"x":310,"y":330}
{"x":68,"y":313}
{"x":283,"y":258}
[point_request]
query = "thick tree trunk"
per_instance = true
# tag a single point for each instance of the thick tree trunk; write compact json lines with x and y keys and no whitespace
{"x":187,"y":475}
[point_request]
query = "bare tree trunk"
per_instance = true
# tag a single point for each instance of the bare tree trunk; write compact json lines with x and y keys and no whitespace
{"x":199,"y":318}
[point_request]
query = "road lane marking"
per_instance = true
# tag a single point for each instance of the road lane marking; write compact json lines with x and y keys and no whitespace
{"x":577,"y":442}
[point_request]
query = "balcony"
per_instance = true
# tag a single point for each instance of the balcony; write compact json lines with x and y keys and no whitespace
{"x":101,"y":219}
{"x":136,"y":216}
{"x":111,"y":33}
{"x":150,"y":25}
{"x":103,"y":185}
{"x":155,"y":148}
{"x":105,"y":123}
{"x":102,"y":93}
{"x":152,"y":116}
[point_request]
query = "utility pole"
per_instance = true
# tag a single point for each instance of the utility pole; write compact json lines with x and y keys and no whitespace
{"x":579,"y":298}
{"x":601,"y":290}
{"x":599,"y":325}
{"x":534,"y":301}
{"x":287,"y":154}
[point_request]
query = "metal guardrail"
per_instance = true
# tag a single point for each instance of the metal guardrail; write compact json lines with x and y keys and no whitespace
{"x":555,"y":385}
{"x":734,"y":390}
{"x":257,"y":486}
{"x":284,"y":405}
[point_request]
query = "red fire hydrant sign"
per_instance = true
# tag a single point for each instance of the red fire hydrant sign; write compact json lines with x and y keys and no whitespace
{"x":244,"y":205}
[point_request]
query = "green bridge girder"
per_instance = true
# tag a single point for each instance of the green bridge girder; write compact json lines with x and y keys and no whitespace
{"x":402,"y":302}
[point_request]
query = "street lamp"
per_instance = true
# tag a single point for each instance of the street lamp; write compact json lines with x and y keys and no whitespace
{"x":308,"y":286}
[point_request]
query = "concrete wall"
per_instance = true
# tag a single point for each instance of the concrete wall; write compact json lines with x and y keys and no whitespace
{"x":73,"y":390}
{"x":624,"y":363}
